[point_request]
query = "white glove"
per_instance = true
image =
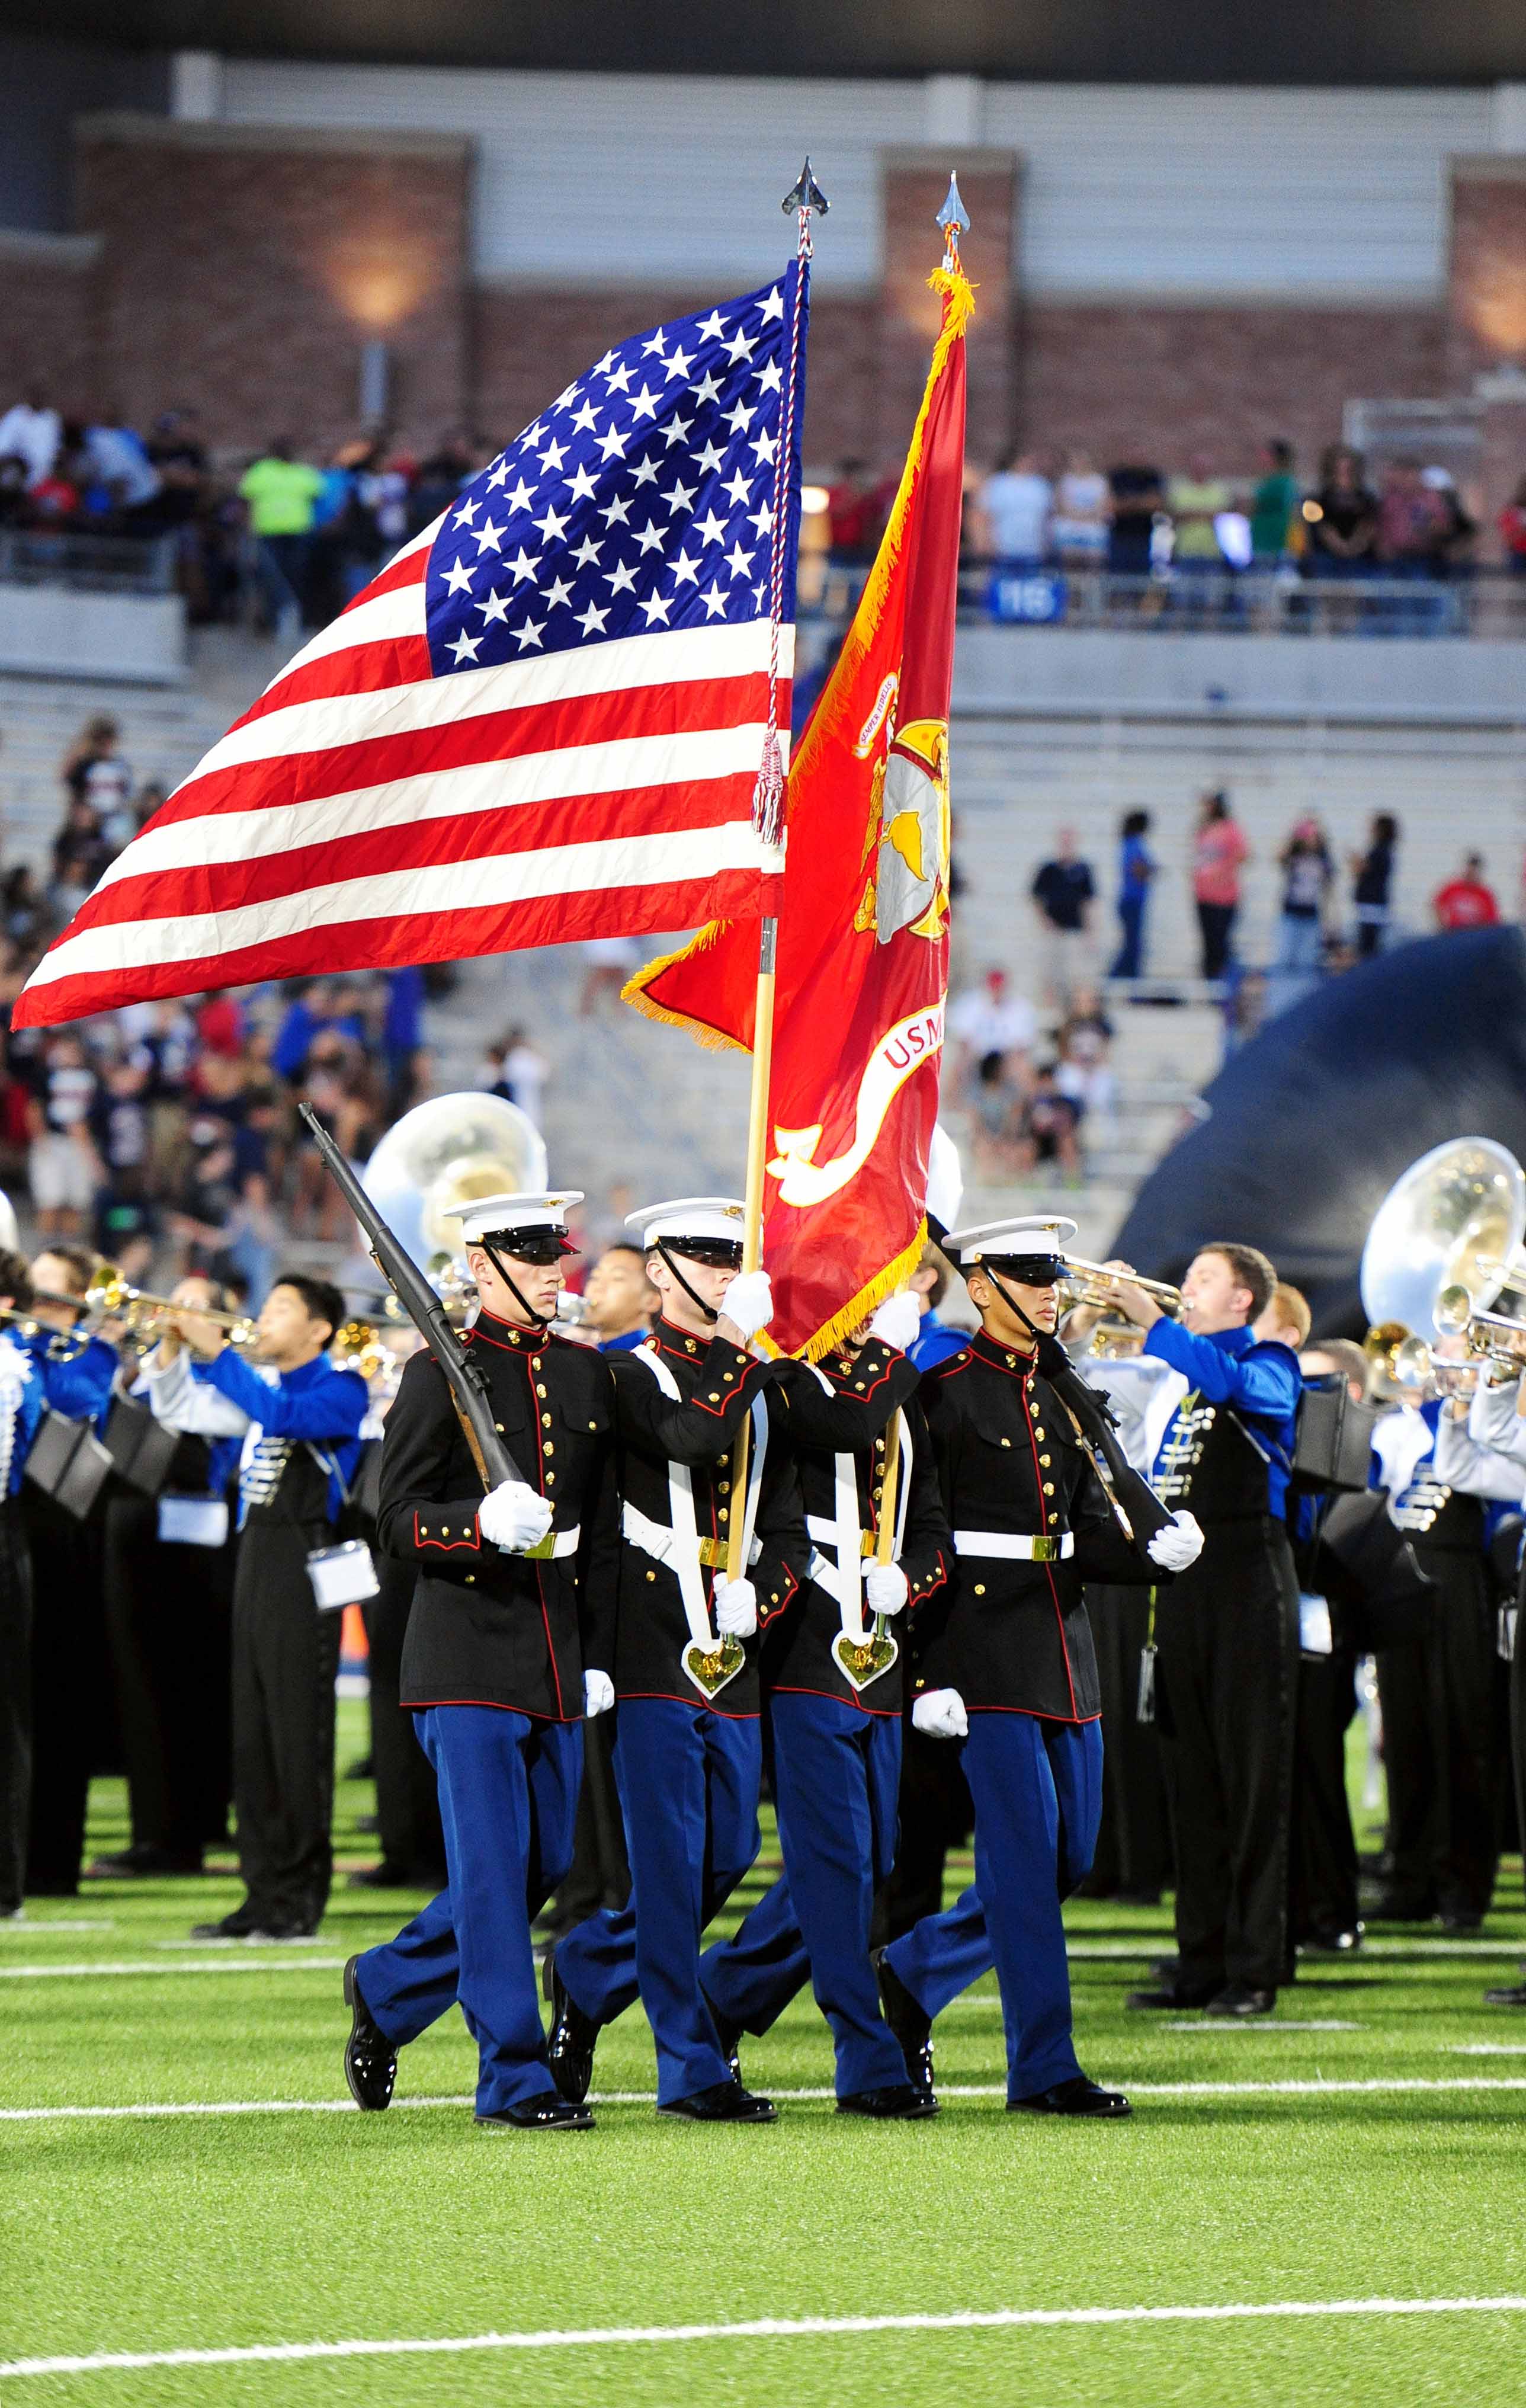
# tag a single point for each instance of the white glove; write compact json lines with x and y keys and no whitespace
{"x":514,"y":1517}
{"x":885,"y":1588}
{"x":1177,"y":1544}
{"x":748,"y":1302}
{"x":598,"y":1694}
{"x":897,"y":1320}
{"x":940,"y":1715}
{"x":736,"y":1608}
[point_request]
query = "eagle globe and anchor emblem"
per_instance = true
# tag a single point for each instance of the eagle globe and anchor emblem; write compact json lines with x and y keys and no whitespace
{"x":905,"y":888}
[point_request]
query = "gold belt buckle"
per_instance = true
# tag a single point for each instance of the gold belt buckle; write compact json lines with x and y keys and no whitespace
{"x":1046,"y":1551}
{"x":543,"y":1547}
{"x":713,"y":1553}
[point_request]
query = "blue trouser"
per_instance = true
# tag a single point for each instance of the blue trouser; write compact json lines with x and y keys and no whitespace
{"x":836,"y":1775}
{"x":508,"y":1804}
{"x":688,"y":1782}
{"x":1037,"y":1792}
{"x":1128,"y":962}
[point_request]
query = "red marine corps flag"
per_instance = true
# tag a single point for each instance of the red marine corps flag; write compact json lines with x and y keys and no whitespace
{"x":862,"y":968}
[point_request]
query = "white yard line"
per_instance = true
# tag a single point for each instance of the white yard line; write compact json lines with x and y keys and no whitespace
{"x":1216,"y":2026}
{"x":240,"y":1964}
{"x":1313,"y":2089}
{"x":762,"y":2329}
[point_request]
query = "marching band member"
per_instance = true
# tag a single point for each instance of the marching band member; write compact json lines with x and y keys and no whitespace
{"x":1005,"y":1663}
{"x":1495,"y":1422}
{"x":1437,"y":1692}
{"x":68,"y":1651}
{"x":687,"y":1753}
{"x":22,"y":1408}
{"x":167,"y":1569}
{"x":1227,"y":1633}
{"x":507,"y":1645}
{"x":832,"y":1697}
{"x":298,"y":1457}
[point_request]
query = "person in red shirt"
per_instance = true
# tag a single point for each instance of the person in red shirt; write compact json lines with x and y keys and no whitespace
{"x":1466,"y":901}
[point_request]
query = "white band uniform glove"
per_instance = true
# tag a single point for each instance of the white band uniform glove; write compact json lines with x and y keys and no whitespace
{"x":1177,"y":1544}
{"x":748,"y":1300}
{"x":735,"y":1608}
{"x":940,"y":1715}
{"x":885,"y":1588}
{"x":514,"y":1517}
{"x":598,"y":1694}
{"x":897,"y":1321}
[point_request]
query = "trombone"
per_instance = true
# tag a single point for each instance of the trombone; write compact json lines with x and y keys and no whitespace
{"x":1093,"y":1284}
{"x":111,"y":1298}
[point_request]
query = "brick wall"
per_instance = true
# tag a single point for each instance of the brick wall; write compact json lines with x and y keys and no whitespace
{"x":48,"y":324}
{"x":241,"y":272}
{"x":1485,"y":307}
{"x":1159,"y":381}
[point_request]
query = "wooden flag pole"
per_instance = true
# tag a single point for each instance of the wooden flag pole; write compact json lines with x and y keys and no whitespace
{"x":757,"y":1157}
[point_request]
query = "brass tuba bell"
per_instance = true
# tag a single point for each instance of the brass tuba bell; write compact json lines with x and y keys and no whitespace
{"x":1455,"y":1219}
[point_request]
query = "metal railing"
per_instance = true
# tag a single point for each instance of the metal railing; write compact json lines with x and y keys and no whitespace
{"x":89,"y":564}
{"x":1198,"y":599}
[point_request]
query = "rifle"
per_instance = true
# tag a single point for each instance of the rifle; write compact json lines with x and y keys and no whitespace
{"x":427,"y":1313}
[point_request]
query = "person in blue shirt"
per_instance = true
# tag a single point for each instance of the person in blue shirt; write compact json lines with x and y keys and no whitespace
{"x":622,"y":1303}
{"x":935,"y":1340}
{"x":22,"y":1407}
{"x":1135,"y":868}
{"x":1227,"y":1632}
{"x":299,"y":1456}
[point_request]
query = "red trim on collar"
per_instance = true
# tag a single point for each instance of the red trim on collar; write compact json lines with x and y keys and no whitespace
{"x":518,"y":1341}
{"x":680,"y":1343}
{"x":989,"y":1349}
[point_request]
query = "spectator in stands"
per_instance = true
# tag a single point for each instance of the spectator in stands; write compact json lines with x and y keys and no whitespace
{"x":281,"y":493}
{"x":1047,"y":1126}
{"x":178,"y":456}
{"x":57,"y":499}
{"x":1340,"y":520}
{"x":1135,"y":868}
{"x":990,"y":1018}
{"x":150,"y":796}
{"x":1079,"y":529}
{"x":32,"y":430}
{"x":1137,"y":493}
{"x":1373,"y":872}
{"x":1308,"y":873}
{"x":346,"y":541}
{"x":1413,"y":526}
{"x":1453,"y":553}
{"x":94,"y":772}
{"x":441,"y":477}
{"x":1063,"y":890}
{"x":1467,"y":900}
{"x":1219,"y":852}
{"x":1084,"y":1070}
{"x":847,"y":510}
{"x":22,"y":909}
{"x":15,"y":508}
{"x":312,"y":1013}
{"x":1274,"y":504}
{"x":610,"y":961}
{"x":121,"y":482}
{"x":1015,"y":503}
{"x":62,"y":1166}
{"x":997,"y":1105}
{"x":1195,"y":501}
{"x":1512,"y":526}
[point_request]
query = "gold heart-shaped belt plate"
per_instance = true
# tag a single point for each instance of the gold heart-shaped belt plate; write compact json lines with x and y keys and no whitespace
{"x":863,"y":1660}
{"x":711,"y":1668}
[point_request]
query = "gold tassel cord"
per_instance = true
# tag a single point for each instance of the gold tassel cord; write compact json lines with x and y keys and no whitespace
{"x":885,"y":1283}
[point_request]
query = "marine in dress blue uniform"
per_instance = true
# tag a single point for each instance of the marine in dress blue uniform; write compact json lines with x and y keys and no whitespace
{"x":832,"y":1713}
{"x":688,"y":1756}
{"x":22,"y":1407}
{"x":1005,"y":1663}
{"x":511,"y":1629}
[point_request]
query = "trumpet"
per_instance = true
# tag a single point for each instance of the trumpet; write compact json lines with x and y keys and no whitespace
{"x":1093,"y":1284}
{"x":1456,"y":1315}
{"x":357,"y":1348}
{"x":111,"y":1298}
{"x":62,"y":1344}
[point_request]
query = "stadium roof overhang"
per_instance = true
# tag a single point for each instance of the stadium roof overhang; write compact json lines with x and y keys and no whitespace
{"x":1353,"y":42}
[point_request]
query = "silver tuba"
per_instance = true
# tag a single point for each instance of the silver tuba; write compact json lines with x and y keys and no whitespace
{"x":1455,"y":1220}
{"x":448,"y":1152}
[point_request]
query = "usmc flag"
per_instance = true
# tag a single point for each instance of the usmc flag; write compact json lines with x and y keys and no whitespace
{"x":863,"y":915}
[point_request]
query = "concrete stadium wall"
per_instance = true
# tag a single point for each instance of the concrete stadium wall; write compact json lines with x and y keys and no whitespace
{"x":50,"y":631}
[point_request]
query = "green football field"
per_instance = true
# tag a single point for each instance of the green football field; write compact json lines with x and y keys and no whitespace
{"x":1330,"y":2207}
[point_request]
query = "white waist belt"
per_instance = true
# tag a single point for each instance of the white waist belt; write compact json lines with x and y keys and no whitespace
{"x":662,"y":1544}
{"x":556,"y":1542}
{"x":822,"y":1528}
{"x":1005,"y":1544}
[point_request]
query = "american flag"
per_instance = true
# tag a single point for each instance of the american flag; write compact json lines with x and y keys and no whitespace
{"x":542,"y":721}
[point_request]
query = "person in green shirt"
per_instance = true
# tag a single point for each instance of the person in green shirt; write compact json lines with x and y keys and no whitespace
{"x":281,"y":494}
{"x":1274,"y":503}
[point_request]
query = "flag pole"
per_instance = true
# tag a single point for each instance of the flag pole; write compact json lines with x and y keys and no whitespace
{"x":769,"y":819}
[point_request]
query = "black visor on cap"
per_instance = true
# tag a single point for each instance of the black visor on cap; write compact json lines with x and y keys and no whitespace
{"x":720,"y":1253}
{"x":1029,"y":1270}
{"x":537,"y":1245}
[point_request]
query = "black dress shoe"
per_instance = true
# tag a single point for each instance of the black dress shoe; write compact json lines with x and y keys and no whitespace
{"x":242,"y":1924}
{"x":140,"y":1861}
{"x":549,"y":2112}
{"x":730,"y":2037}
{"x":910,"y":2023}
{"x":382,"y":1876}
{"x":370,"y":2058}
{"x":900,"y":2101}
{"x":573,"y":2041}
{"x":1239,"y":1999}
{"x":1181,"y":1996}
{"x":1514,"y":1997}
{"x":1460,"y":1920}
{"x":1080,"y":2095}
{"x":1395,"y":1906}
{"x":1332,"y":1944}
{"x":723,"y":2103}
{"x":1144,"y":1896}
